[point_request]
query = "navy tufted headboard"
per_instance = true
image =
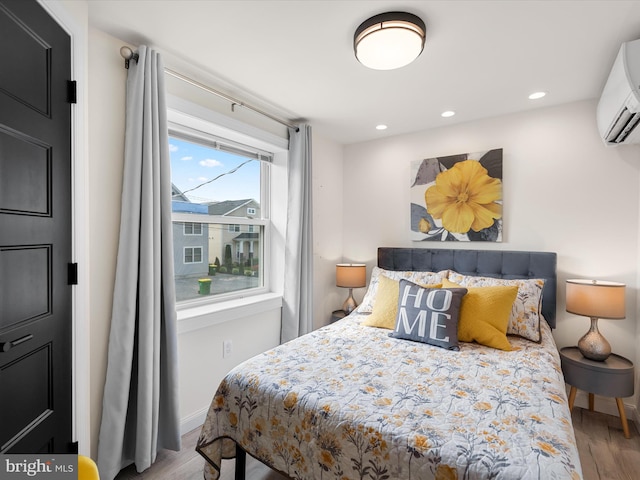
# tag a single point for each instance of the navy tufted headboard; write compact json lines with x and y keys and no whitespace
{"x":488,"y":263}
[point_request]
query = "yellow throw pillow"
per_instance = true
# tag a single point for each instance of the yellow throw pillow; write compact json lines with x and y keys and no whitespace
{"x":484,"y":314}
{"x":526,"y":312}
{"x":385,"y":305}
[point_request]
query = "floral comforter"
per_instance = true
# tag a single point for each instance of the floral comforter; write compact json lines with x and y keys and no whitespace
{"x":349,"y":402}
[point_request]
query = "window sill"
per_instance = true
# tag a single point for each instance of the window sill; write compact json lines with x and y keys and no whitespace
{"x":203,"y":316}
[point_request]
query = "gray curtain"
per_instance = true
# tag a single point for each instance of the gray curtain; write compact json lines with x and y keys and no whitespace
{"x":297,"y":310}
{"x":140,"y":403}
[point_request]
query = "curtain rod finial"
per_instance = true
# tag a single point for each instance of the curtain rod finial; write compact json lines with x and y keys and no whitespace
{"x":128,"y":54}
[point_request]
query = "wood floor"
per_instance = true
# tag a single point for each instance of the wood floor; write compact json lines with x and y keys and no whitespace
{"x":604,"y":453}
{"x":187,"y":465}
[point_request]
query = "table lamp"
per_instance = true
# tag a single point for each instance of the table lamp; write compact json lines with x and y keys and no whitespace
{"x":595,"y":299}
{"x":350,"y":275}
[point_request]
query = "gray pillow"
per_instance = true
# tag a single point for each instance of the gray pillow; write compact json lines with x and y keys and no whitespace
{"x":428,"y":315}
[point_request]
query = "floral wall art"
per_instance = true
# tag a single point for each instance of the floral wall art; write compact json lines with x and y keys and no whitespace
{"x":457,"y":198}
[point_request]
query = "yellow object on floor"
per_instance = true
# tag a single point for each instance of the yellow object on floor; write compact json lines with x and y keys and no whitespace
{"x":87,"y":469}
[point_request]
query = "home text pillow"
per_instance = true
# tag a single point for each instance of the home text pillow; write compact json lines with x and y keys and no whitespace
{"x":385,"y":305}
{"x":424,"y":278}
{"x":525,"y":314}
{"x":484,"y":314}
{"x":428,"y":315}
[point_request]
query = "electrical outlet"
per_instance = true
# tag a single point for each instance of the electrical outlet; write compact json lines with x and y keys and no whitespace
{"x":227,"y":347}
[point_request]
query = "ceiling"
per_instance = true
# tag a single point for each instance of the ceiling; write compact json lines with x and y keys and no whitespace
{"x":295,"y":58}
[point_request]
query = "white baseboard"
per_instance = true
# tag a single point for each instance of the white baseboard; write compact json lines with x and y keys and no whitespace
{"x":195,"y":420}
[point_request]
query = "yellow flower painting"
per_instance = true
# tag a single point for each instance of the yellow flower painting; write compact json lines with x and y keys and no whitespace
{"x":457,"y":197}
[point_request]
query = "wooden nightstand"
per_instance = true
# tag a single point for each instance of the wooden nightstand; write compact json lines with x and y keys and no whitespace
{"x":337,"y":315}
{"x":611,"y":378}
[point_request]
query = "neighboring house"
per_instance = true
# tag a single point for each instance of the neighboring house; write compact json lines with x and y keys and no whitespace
{"x":196,"y":244}
{"x":190,"y":239}
{"x":177,"y":195}
{"x":243,"y":241}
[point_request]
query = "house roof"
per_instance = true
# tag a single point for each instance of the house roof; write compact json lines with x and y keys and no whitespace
{"x":188,"y":207}
{"x":177,"y":195}
{"x":227,"y":207}
{"x":246,"y":236}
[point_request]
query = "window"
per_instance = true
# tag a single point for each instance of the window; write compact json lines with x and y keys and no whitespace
{"x":192,"y":254}
{"x":192,"y":228}
{"x":200,"y":136}
{"x":215,"y":184}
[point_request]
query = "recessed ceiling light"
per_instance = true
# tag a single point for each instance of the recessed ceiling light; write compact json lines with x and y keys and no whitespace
{"x":537,"y":95}
{"x":448,"y":113}
{"x":381,"y":127}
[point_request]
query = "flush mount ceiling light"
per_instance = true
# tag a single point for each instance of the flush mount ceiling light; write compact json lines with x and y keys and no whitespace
{"x":389,"y":40}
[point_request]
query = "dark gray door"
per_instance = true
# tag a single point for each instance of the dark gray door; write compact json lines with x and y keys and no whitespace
{"x":35,"y":231}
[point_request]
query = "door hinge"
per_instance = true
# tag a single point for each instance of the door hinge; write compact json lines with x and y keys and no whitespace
{"x":72,"y":92}
{"x":72,"y":274}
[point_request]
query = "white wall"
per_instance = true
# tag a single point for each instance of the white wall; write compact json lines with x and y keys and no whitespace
{"x":564,"y":192}
{"x":202,"y":364}
{"x":328,"y":190}
{"x":107,"y":79}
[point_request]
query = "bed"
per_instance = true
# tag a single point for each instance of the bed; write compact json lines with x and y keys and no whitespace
{"x":351,"y":401}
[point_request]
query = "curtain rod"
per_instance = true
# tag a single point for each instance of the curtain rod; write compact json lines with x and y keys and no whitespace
{"x":129,"y":54}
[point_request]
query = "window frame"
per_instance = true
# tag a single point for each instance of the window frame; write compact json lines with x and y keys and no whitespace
{"x":207,"y":134}
{"x":220,"y":309}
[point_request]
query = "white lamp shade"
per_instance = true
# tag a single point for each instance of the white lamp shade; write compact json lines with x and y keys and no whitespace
{"x":351,"y":275}
{"x":595,"y":298}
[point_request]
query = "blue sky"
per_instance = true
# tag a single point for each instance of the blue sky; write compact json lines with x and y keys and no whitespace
{"x":193,"y":164}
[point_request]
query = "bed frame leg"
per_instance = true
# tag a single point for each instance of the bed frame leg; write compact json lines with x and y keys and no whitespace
{"x":241,"y":463}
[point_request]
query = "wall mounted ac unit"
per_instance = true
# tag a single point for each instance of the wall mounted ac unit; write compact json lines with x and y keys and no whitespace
{"x":618,"y":112}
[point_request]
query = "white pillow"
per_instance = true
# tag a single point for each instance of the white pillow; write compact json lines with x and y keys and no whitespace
{"x":416,"y":277}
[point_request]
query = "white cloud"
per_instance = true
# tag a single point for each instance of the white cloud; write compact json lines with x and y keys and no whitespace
{"x":210,"y":162}
{"x":173,"y":148}
{"x":199,"y":179}
{"x":186,"y":158}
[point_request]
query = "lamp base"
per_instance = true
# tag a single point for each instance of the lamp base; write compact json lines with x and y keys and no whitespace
{"x":593,"y":345}
{"x":349,"y":304}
